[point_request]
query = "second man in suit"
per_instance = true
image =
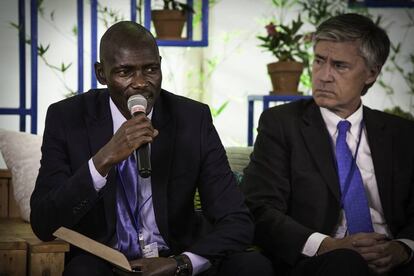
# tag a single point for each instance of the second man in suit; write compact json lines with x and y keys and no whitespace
{"x":331,"y":182}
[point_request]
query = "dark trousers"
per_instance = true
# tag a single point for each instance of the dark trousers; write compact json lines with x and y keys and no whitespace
{"x":243,"y":264}
{"x":239,"y":264}
{"x":343,"y":262}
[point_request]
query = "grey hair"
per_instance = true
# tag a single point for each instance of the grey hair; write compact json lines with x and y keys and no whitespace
{"x":374,"y":44}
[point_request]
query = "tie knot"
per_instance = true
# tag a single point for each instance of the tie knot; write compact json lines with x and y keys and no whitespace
{"x":343,"y":126}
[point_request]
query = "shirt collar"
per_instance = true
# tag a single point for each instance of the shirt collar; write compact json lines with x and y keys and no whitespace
{"x":117,"y":117}
{"x":331,"y":121}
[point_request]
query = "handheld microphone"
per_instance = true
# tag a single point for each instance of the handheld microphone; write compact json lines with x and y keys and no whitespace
{"x":138,"y":104}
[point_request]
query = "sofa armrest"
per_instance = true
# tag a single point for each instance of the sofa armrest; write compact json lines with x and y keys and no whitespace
{"x":8,"y":205}
{"x":21,"y":252}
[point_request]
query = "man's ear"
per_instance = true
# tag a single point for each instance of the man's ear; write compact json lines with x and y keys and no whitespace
{"x":373,"y":74}
{"x":99,"y":73}
{"x":372,"y":77}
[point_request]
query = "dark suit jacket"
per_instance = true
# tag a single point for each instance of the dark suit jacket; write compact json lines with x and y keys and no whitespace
{"x":291,"y":184}
{"x":186,"y":155}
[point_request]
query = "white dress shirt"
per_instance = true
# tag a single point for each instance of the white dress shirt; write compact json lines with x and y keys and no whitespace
{"x":366,"y":167}
{"x":146,"y":216}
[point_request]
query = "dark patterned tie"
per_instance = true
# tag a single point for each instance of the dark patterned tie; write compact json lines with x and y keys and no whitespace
{"x":127,"y":208}
{"x":354,"y":199}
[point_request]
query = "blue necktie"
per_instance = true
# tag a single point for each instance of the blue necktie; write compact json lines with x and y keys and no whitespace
{"x":127,"y":208}
{"x":354,"y":200}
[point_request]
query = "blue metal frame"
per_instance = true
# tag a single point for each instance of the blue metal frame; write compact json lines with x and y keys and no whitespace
{"x":382,"y":3}
{"x":22,"y":64}
{"x":80,"y":45}
{"x":134,"y":10}
{"x":266,"y":99}
{"x":388,"y":3}
{"x":22,"y":111}
{"x":189,"y":42}
{"x":33,"y":65}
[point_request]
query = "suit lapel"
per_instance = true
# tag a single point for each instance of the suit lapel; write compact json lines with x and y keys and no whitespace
{"x":161,"y":158}
{"x":100,"y":130}
{"x":380,"y":144}
{"x":98,"y":120}
{"x":318,"y":142}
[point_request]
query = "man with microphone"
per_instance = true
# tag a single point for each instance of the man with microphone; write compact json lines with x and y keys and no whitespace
{"x":126,"y":176}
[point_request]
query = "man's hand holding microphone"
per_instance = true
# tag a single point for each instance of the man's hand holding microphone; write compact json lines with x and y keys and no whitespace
{"x":134,"y":134}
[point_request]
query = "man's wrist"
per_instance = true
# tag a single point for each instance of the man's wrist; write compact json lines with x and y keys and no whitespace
{"x":184,"y":266}
{"x":409,"y":252}
{"x":325,"y":246}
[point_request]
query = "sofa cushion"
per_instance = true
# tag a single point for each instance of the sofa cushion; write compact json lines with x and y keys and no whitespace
{"x":239,"y":158}
{"x":21,"y":153}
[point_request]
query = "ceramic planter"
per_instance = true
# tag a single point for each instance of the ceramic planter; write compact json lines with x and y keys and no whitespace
{"x":168,"y":24}
{"x":285,"y":76}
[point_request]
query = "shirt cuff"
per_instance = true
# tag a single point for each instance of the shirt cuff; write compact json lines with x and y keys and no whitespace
{"x":199,"y":263}
{"x":312,"y":244}
{"x":409,"y":243}
{"x":98,"y":180}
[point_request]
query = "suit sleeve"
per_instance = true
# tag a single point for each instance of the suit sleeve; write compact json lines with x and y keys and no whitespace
{"x":63,"y":194}
{"x":267,"y":187}
{"x":221,"y":199}
{"x":403,"y":174}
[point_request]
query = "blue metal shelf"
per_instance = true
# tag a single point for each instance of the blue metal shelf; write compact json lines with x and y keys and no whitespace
{"x":22,"y":110}
{"x":382,"y":3}
{"x":189,"y":42}
{"x":266,"y":99}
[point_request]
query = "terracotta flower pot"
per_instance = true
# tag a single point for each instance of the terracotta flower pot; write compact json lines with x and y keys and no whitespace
{"x":285,"y":76}
{"x":168,"y":24}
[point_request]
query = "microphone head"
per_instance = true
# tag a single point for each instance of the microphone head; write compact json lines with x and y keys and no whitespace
{"x":137,"y":104}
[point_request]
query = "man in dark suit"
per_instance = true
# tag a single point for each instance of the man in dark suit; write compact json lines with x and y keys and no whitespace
{"x":310,"y":219}
{"x":86,"y":181}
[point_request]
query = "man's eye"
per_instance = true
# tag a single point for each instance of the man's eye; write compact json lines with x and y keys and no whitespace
{"x":340,"y":66}
{"x":317,"y":61}
{"x":123,"y":73}
{"x":151,"y":69}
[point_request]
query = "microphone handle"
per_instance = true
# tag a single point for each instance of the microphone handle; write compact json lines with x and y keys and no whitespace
{"x":143,"y":161}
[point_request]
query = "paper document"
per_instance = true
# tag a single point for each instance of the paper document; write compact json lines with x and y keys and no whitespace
{"x":98,"y":249}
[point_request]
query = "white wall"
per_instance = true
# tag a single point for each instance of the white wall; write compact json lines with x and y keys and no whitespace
{"x":240,"y":68}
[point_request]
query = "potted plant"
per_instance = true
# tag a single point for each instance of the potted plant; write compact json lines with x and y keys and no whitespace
{"x":169,"y":22}
{"x":287,"y":45}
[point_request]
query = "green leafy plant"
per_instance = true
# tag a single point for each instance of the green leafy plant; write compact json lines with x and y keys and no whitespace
{"x":109,"y":16}
{"x":285,"y":42}
{"x":41,"y":53}
{"x":400,"y":66}
{"x":175,"y":5}
{"x":217,"y":111}
{"x":396,"y":110}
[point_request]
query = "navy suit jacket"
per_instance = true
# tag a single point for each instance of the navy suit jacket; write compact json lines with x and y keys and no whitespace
{"x":291,"y":184}
{"x":186,"y":155}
